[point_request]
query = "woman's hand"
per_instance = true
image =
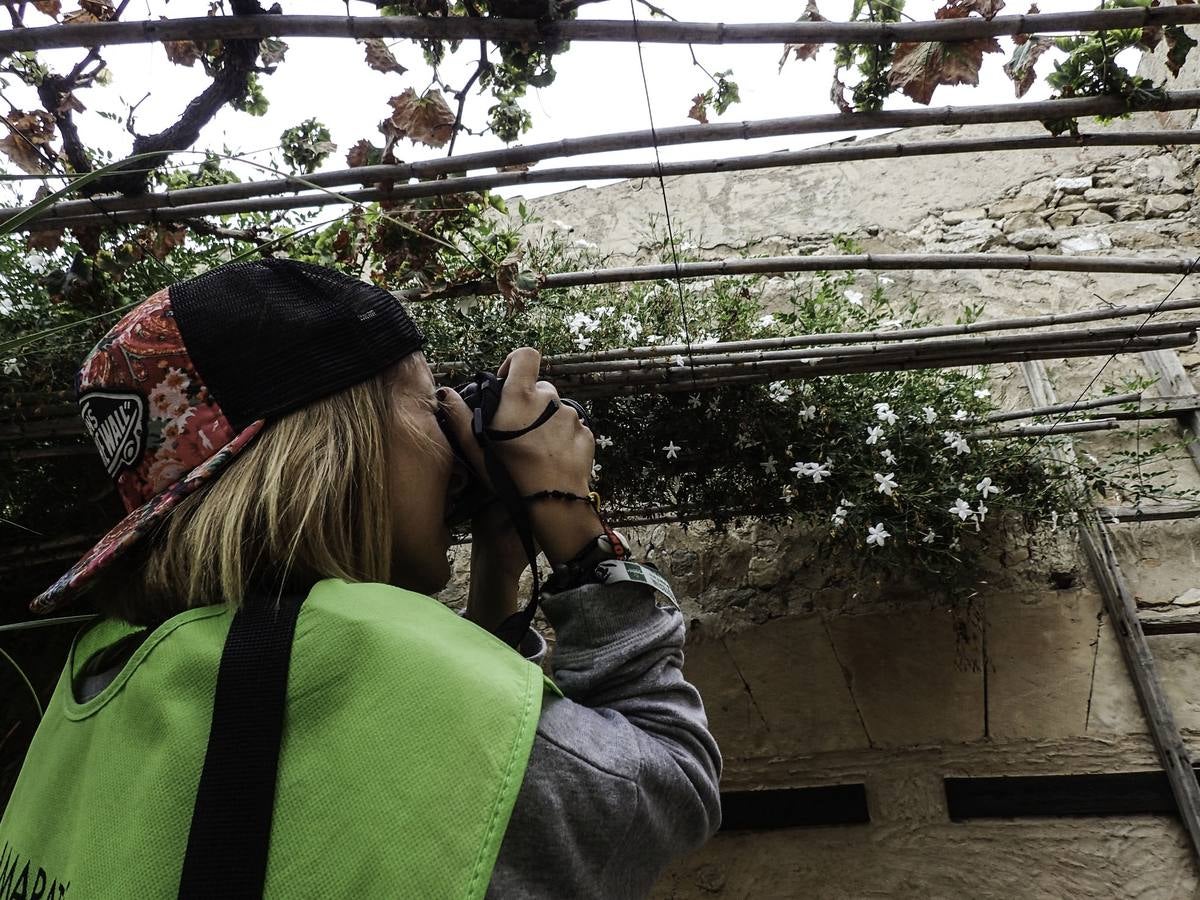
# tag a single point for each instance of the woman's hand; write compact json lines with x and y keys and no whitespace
{"x":557,"y":455}
{"x":497,"y":562}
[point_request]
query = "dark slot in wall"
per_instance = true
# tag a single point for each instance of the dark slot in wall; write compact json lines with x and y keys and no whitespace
{"x":835,"y":804}
{"x":1111,"y":794}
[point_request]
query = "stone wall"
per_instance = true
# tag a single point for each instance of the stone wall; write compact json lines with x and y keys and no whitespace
{"x":813,"y":677}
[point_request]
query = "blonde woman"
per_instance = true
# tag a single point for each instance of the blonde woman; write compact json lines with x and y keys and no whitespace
{"x":271,"y":704}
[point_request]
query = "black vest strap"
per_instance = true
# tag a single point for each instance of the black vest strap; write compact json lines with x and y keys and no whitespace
{"x":231,"y":822}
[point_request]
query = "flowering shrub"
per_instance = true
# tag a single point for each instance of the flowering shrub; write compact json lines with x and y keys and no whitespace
{"x":883,"y":464}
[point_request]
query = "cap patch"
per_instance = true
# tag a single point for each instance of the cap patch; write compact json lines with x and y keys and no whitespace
{"x":116,"y":420}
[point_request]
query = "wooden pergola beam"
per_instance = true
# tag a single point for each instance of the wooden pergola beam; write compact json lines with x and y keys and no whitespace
{"x":1123,"y":613}
{"x":266,"y":195}
{"x":492,"y":28}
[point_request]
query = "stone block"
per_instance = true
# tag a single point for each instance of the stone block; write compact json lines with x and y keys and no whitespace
{"x":917,"y":675}
{"x":1123,"y":212}
{"x":1040,"y":660}
{"x":1032,"y":238}
{"x":1039,"y":187}
{"x":1094,"y":217}
{"x":1114,"y":706}
{"x":1086,"y":243}
{"x":1106,"y":195}
{"x":1061,"y":219}
{"x":1166,"y":204}
{"x":738,"y":727}
{"x":1002,"y":208}
{"x":1190,"y":597}
{"x":1021,"y":222}
{"x":1177,"y":660}
{"x":1073,"y":185}
{"x":799,"y":688}
{"x":958,"y":216}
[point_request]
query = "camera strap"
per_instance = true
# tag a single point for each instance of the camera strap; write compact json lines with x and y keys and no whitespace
{"x":512,"y":630}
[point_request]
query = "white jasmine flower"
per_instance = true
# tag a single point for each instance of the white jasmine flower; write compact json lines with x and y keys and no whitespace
{"x":466,"y":304}
{"x":985,"y":487}
{"x":982,"y":393}
{"x":930,"y":415}
{"x":840,"y":512}
{"x":884,"y":412}
{"x":877,"y":535}
{"x":604,"y":442}
{"x":961,"y":508}
{"x":929,"y":538}
{"x":959,"y":416}
{"x":694,"y":401}
{"x":672,"y":450}
{"x":874,"y":434}
{"x":885,"y":484}
{"x":769,"y":465}
{"x":766,"y":321}
{"x":779,"y":391}
{"x":888,"y":457}
{"x":680,"y":361}
{"x":11,"y":366}
{"x":787,"y":493}
{"x":960,"y":447}
{"x":802,"y":469}
{"x":845,"y":502}
{"x":596,"y":467}
{"x":981,"y":511}
{"x":808,"y":413}
{"x":819,"y":472}
{"x":855,"y":297}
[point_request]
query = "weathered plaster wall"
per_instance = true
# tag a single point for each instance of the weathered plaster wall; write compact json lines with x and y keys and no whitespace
{"x":813,"y":676}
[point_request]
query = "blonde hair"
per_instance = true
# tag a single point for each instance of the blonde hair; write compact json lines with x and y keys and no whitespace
{"x":309,"y":498}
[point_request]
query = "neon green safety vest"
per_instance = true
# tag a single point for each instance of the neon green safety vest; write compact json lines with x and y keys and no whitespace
{"x":406,"y":736}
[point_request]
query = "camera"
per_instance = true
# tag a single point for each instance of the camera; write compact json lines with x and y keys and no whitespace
{"x":482,"y":396}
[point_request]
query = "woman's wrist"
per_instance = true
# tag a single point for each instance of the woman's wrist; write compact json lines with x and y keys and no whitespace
{"x":563,"y":527}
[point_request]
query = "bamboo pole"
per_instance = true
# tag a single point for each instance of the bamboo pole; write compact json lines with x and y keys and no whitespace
{"x":1039,"y":110}
{"x":713,"y":357}
{"x":1093,"y":314}
{"x":685,"y":382}
{"x":1100,"y":403}
{"x":1149,"y":512}
{"x":260,"y":196}
{"x":1122,"y":610}
{"x":1023,"y":431}
{"x":492,"y":28}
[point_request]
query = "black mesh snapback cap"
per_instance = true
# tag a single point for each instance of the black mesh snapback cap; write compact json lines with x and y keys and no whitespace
{"x":271,"y":336}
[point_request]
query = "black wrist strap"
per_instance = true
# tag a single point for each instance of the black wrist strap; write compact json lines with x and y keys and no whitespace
{"x":231,"y":821}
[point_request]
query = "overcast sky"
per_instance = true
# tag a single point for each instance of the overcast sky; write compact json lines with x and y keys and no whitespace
{"x":599,"y":86}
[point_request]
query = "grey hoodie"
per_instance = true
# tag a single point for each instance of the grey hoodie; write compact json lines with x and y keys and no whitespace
{"x":623,"y":776}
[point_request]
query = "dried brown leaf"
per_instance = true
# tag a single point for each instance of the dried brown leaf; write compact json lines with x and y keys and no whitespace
{"x":957,"y":9}
{"x":917,"y":69}
{"x":801,"y":52}
{"x":160,"y":241}
{"x":102,"y":9}
{"x":427,"y":119}
{"x":513,"y":284}
{"x":51,"y":8}
{"x":1179,"y":44}
{"x":380,"y":58}
{"x":47,"y":240}
{"x":79,"y":17}
{"x":272,"y":51}
{"x":360,"y":154}
{"x":182,"y":53}
{"x":68,"y":102}
{"x":837,"y":93}
{"x":1021,"y":67}
{"x":28,"y":134}
{"x":699,"y":110}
